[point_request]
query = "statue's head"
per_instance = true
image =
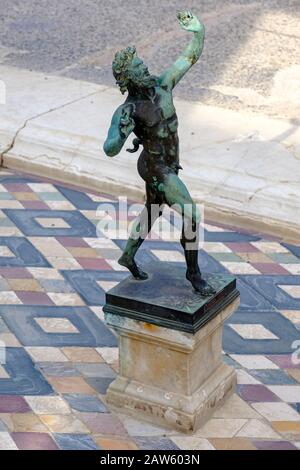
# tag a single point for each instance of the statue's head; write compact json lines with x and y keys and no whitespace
{"x":130,"y":71}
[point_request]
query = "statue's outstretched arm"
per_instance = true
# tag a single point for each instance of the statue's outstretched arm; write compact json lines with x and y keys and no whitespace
{"x":121,"y":127}
{"x":190,"y":55}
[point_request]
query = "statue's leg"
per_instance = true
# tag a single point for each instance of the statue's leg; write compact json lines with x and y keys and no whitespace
{"x":177,"y":196}
{"x":140,"y":230}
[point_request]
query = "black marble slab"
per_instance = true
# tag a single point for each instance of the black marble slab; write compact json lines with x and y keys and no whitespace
{"x":167,"y":299}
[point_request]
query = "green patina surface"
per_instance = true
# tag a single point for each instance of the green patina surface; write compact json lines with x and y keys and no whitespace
{"x":149,"y":113}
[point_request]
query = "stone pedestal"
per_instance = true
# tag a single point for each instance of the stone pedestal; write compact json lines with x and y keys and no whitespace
{"x":170,"y":339}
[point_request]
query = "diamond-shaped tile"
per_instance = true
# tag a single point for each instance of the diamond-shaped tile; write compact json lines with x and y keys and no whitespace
{"x":52,"y":196}
{"x":48,"y":405}
{"x":46,"y":354}
{"x":6,"y":442}
{"x":47,"y":222}
{"x":45,"y":273}
{"x":9,"y":298}
{"x":34,"y":441}
{"x":239,"y":268}
{"x":216,"y":247}
{"x":214,"y":228}
{"x":104,"y":243}
{"x":30,"y":285}
{"x":287,"y":258}
{"x":244,"y":378}
{"x":96,"y":198}
{"x":168,"y":255}
{"x":287,"y":393}
{"x":106,"y":285}
{"x":291,"y":268}
{"x":257,"y":393}
{"x":270,"y":247}
{"x":42,"y":188}
{"x":68,"y":299}
{"x":276,"y":411}
{"x":273,"y":377}
{"x":258,"y":429}
{"x":254,"y":361}
{"x":293,"y":291}
{"x":56,"y":325}
{"x":110,"y":355}
{"x":75,"y":442}
{"x":3,"y":373}
{"x":292,"y":315}
{"x":6,"y":252}
{"x":253,"y":331}
{"x":85,"y":403}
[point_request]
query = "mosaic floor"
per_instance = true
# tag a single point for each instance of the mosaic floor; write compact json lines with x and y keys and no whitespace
{"x":57,"y":357}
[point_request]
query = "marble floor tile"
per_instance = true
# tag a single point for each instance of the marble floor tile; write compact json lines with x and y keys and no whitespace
{"x":232,"y":444}
{"x":6,"y":442}
{"x":75,"y":442}
{"x":254,"y":361}
{"x":83,"y":355}
{"x":48,"y":405}
{"x":287,"y":393}
{"x":258,"y":429}
{"x":220,"y":427}
{"x":23,"y":422}
{"x":115,"y":444}
{"x":276,"y":411}
{"x":66,"y":424}
{"x":253,"y":331}
{"x":46,"y":354}
{"x":192,"y":443}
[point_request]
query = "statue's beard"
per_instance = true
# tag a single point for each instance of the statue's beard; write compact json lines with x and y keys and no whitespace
{"x":144,"y":82}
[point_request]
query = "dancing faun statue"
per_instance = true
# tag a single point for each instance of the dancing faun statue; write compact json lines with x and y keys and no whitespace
{"x":149,"y":113}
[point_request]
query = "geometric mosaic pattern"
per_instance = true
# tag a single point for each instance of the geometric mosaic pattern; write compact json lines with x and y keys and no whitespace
{"x":17,"y":251}
{"x":57,"y":356}
{"x":21,"y":377}
{"x":58,"y":223}
{"x":56,"y":326}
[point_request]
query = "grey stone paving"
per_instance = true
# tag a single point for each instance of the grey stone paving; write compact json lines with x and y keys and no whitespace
{"x":247,"y":41}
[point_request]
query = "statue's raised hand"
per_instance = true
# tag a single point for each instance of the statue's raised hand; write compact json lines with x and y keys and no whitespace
{"x":189,"y":22}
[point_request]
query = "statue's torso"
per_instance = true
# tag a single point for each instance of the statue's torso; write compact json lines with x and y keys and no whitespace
{"x":156,"y":126}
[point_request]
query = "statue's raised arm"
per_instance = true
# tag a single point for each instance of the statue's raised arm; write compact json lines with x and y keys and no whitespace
{"x":190,"y":55}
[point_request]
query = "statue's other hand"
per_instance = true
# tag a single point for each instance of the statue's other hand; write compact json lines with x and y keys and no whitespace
{"x":126,"y":122}
{"x":189,"y":22}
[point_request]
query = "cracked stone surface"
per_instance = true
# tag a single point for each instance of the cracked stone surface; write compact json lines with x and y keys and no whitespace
{"x":32,"y":118}
{"x":251,"y":49}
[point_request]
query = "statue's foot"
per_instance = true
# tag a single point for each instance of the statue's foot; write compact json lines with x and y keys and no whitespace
{"x":199,"y":284}
{"x":130,"y":264}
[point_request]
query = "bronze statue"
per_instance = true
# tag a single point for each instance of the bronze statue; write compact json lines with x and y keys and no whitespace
{"x":149,"y":113}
